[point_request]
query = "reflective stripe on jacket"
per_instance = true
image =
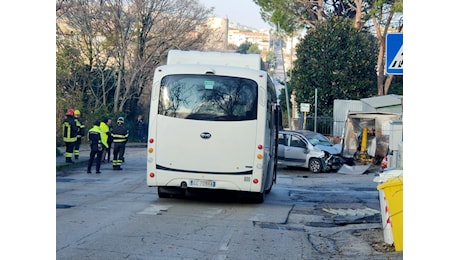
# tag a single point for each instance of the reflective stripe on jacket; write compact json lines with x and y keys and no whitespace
{"x":120,"y":134}
{"x":69,"y":130}
{"x":81,"y":127}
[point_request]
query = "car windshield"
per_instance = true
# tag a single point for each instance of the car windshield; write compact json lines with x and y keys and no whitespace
{"x":316,"y":139}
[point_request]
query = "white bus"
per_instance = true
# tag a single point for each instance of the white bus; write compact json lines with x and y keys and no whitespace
{"x":213,"y":125}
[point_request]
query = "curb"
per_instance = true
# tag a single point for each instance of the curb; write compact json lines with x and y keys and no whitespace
{"x":61,"y":166}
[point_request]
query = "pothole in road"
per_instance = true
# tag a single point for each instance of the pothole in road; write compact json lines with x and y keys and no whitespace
{"x":278,"y":226}
{"x":317,"y":216}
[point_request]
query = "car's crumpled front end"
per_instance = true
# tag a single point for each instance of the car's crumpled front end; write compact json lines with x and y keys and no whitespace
{"x":332,"y":159}
{"x":332,"y":162}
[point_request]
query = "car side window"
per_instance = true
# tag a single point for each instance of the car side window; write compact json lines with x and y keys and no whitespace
{"x":282,"y":139}
{"x":296,"y":142}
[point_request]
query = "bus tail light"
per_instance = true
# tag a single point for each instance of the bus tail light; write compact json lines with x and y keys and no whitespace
{"x":152,"y":175}
{"x":255,"y":180}
{"x":259,"y":156}
{"x":151,"y":140}
{"x":150,"y":150}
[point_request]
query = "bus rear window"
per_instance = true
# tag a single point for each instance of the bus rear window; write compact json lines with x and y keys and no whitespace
{"x":208,"y":97}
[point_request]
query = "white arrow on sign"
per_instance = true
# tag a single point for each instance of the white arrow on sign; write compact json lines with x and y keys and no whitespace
{"x":397,"y":62}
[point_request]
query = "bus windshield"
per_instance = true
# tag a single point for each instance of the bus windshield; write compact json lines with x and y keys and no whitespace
{"x":208,"y":97}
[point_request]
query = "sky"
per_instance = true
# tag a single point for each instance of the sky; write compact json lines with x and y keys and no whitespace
{"x":244,"y":12}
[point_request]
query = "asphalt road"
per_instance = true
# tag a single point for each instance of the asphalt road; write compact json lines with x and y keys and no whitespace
{"x":114,"y":215}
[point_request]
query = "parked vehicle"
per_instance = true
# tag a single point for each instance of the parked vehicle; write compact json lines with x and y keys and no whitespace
{"x":303,"y":148}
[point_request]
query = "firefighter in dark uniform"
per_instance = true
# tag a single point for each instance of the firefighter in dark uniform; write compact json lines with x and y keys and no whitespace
{"x":120,"y":136}
{"x":81,"y":132}
{"x":97,"y":145}
{"x":69,"y":134}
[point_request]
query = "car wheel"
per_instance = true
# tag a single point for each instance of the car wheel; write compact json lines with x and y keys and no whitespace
{"x":315,"y":165}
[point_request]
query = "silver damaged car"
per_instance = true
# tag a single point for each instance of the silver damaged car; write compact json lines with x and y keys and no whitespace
{"x":303,"y":148}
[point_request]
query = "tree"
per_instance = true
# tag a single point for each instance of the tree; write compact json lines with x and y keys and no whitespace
{"x":119,"y":44}
{"x":253,"y":49}
{"x":141,"y":36}
{"x":248,"y":48}
{"x":338,"y":61}
{"x":81,"y":24}
{"x":382,"y":14}
{"x":294,"y":15}
{"x":107,"y":51}
{"x":69,"y":66}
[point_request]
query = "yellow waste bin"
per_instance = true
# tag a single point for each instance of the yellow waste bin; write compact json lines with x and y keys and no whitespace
{"x":393,"y":189}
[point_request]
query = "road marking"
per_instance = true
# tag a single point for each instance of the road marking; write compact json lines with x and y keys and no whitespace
{"x":352,"y":212}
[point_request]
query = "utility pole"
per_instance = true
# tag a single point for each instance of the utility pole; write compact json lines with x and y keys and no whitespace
{"x":316,"y":106}
{"x":290,"y":77}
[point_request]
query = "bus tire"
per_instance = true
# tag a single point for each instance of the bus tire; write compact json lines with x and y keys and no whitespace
{"x":274,"y":169}
{"x":162,"y":193}
{"x":171,"y":192}
{"x":258,"y":197}
{"x":272,"y":182}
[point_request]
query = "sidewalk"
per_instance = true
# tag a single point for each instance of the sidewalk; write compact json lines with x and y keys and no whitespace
{"x":84,"y":156}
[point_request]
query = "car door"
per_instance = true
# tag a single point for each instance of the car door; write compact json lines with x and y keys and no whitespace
{"x":296,"y":151}
{"x":282,"y":143}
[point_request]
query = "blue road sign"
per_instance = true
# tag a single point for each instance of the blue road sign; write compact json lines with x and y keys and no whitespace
{"x":394,"y":54}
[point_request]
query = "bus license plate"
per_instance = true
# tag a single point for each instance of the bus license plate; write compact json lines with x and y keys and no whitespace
{"x":202,"y":183}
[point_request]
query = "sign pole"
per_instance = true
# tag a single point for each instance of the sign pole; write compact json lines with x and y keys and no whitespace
{"x":304,"y":120}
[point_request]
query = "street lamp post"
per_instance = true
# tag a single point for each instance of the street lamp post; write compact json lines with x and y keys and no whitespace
{"x":316,"y":107}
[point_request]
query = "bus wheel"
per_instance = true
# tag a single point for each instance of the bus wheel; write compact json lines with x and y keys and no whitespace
{"x":275,"y":172}
{"x":171,"y":192}
{"x":259,"y":197}
{"x":273,"y":182}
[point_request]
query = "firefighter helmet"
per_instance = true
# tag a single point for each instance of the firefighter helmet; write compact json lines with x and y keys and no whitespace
{"x":69,"y":112}
{"x":76,"y":112}
{"x":120,"y":120}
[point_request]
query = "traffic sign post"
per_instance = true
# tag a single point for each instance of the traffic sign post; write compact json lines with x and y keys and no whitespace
{"x":394,"y":54}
